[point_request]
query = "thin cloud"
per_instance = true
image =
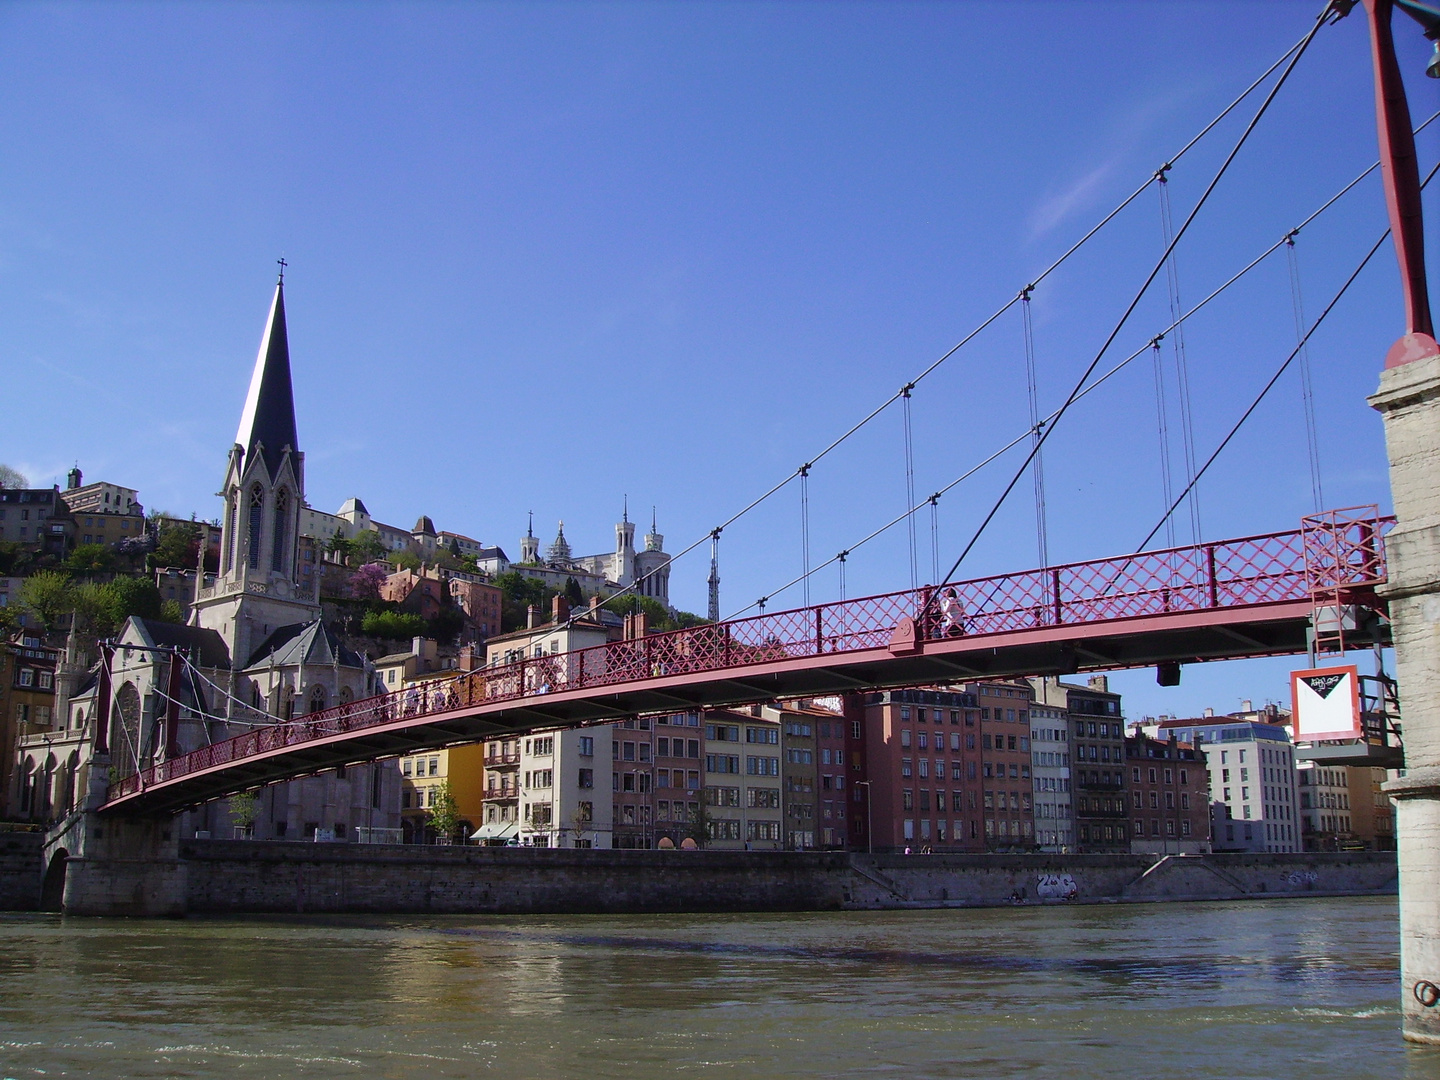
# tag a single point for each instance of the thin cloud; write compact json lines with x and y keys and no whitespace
{"x":1056,"y":208}
{"x":1128,"y":132}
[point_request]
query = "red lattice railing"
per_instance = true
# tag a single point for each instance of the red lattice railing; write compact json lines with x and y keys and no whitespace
{"x":1340,"y":551}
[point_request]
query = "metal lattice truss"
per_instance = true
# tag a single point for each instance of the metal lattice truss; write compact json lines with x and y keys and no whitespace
{"x":1336,"y":558}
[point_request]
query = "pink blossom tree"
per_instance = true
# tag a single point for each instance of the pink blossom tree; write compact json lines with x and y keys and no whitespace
{"x":365,"y":583}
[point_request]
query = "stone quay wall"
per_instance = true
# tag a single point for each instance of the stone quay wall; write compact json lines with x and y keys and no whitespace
{"x":21,"y":870}
{"x":233,"y":877}
{"x":236,"y":876}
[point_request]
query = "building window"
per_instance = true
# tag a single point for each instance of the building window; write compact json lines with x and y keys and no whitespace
{"x":257,"y":507}
{"x":587,"y":746}
{"x":282,"y":511}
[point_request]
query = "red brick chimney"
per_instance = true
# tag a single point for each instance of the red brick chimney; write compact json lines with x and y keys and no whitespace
{"x":559,"y":609}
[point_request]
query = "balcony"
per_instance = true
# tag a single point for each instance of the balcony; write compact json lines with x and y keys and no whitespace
{"x":509,"y":792}
{"x":493,"y":760}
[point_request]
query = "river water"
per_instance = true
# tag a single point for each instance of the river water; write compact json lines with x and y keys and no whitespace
{"x":1297,"y":988}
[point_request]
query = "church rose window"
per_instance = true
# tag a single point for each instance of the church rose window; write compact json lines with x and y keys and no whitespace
{"x":257,"y":506}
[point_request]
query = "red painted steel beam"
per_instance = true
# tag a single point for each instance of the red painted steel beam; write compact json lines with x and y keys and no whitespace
{"x":1178,"y":605}
{"x":1400,"y":174}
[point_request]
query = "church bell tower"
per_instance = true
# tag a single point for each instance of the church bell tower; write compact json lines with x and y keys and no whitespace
{"x":258,"y":586}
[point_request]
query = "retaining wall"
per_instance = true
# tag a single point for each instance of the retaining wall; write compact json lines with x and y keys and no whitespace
{"x":240,"y":876}
{"x":21,"y":870}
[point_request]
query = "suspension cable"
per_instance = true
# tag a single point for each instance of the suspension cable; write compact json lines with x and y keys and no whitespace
{"x":1140,"y":293}
{"x":1064,"y":257}
{"x":1164,"y":433}
{"x":1042,"y":540}
{"x":1214,"y":294}
{"x":805,"y":528}
{"x":1182,"y":369}
{"x":1307,"y":390}
{"x":1286,"y":364}
{"x":910,"y":485}
{"x":935,"y":537}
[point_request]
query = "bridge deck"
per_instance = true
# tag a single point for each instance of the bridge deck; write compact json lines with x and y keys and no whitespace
{"x":1240,"y":598}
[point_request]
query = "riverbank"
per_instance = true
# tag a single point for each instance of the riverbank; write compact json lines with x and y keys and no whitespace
{"x":241,"y":877}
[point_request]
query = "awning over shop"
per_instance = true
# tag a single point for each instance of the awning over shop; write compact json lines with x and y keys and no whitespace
{"x":496,"y":830}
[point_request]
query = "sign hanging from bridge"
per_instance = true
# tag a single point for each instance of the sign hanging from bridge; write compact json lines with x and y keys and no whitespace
{"x":1326,"y":703}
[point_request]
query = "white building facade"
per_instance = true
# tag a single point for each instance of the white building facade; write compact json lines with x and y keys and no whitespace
{"x":1050,"y":769}
{"x":1255,"y":803}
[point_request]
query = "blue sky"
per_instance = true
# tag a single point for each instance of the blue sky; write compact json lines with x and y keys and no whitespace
{"x":543,"y":256}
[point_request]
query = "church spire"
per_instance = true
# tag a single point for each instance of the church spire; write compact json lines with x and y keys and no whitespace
{"x":269,"y":416}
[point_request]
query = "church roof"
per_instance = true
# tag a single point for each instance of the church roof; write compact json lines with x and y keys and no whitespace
{"x":204,"y":647}
{"x":303,"y":643}
{"x":269,"y":416}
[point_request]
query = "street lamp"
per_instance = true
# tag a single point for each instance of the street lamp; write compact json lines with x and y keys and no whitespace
{"x":869,"y":832}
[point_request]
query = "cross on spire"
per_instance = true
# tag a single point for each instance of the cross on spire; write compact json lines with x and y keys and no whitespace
{"x":282,"y":263}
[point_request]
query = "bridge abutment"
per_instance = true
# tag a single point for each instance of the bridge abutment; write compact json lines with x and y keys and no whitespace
{"x":1409,"y":401}
{"x":116,"y":864}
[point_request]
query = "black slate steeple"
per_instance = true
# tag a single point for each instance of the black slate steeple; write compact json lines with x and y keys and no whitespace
{"x":269,"y":416}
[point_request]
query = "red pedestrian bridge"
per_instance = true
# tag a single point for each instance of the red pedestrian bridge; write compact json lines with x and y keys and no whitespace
{"x":1255,"y":596}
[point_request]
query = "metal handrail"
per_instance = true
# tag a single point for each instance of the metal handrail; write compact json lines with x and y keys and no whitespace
{"x":1253,"y":570}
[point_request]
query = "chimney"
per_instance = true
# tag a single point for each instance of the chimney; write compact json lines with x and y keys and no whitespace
{"x":468,"y":660}
{"x":532,"y":616}
{"x":559,"y":609}
{"x":1100,"y":683}
{"x":595,"y":602}
{"x":1209,"y":712}
{"x":1245,"y":706}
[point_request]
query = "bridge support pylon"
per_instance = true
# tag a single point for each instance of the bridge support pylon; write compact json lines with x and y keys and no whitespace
{"x":1409,"y":401}
{"x":116,"y":864}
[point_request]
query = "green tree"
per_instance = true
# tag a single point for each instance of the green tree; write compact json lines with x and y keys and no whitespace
{"x":405,"y":560}
{"x":94,"y":609}
{"x":443,"y":815}
{"x":133,"y":596}
{"x":47,"y":595}
{"x":574,"y":594}
{"x":395,"y":625}
{"x":171,"y":611}
{"x":12,"y":558}
{"x":339,"y":545}
{"x":90,"y":559}
{"x":367,"y":547}
{"x":517,"y":593}
{"x":178,"y":544}
{"x":244,"y":808}
{"x":699,"y":829}
{"x":657,"y":616}
{"x":447,"y":623}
